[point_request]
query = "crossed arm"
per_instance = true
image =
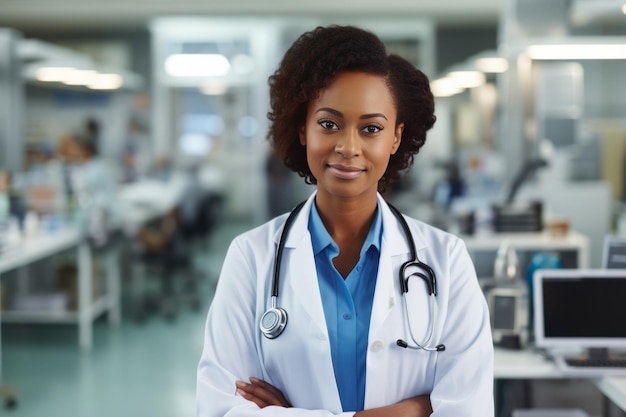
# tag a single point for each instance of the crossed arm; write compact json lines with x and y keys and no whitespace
{"x":264,"y":394}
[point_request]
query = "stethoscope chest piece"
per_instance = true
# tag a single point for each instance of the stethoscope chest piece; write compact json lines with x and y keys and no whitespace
{"x":273,"y":322}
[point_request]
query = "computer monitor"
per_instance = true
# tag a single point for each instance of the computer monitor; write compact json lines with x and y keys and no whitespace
{"x":614,"y":252}
{"x":580,"y":308}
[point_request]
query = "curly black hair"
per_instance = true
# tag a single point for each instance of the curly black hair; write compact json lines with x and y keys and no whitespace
{"x":310,"y":65}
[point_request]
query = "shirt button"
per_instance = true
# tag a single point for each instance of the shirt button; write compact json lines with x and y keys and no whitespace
{"x":347,"y":316}
{"x":377,"y":346}
{"x":358,"y":268}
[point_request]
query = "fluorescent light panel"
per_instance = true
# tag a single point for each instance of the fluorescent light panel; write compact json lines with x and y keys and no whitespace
{"x":197,"y":65}
{"x":106,"y":82}
{"x":492,"y":65}
{"x":54,"y":74}
{"x":78,"y":77}
{"x":445,"y":87}
{"x":467,"y":79}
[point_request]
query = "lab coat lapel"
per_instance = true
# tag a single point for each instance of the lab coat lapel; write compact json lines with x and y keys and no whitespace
{"x":304,"y":285}
{"x":299,"y":264}
{"x":394,"y":251}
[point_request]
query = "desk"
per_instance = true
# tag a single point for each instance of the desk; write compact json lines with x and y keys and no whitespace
{"x":527,"y":364}
{"x":523,"y":364}
{"x":614,"y":388}
{"x":35,"y":248}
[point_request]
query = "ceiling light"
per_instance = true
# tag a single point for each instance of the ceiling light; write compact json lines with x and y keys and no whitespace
{"x":445,"y":87}
{"x":492,"y":65}
{"x":576,"y":52}
{"x":624,"y":9}
{"x":54,"y":74}
{"x":467,"y":79}
{"x":197,"y":65}
{"x":73,"y":76}
{"x":106,"y":82}
{"x":80,"y":77}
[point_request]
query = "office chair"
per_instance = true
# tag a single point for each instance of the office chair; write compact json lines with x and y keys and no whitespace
{"x":171,"y":263}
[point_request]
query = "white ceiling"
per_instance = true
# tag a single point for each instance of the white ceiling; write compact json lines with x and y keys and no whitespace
{"x":65,"y":15}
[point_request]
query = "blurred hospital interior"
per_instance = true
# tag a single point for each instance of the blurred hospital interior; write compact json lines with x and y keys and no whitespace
{"x":133,"y":150}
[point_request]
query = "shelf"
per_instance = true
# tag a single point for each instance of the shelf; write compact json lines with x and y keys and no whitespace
{"x":38,"y":247}
{"x":100,"y":306}
{"x":541,"y":240}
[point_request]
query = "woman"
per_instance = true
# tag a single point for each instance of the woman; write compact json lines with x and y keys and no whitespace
{"x":349,"y":119}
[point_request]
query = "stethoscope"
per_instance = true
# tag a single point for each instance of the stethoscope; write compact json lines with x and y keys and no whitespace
{"x":274,"y":320}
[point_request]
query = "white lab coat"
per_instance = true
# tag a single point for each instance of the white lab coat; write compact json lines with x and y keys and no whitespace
{"x":298,"y":362}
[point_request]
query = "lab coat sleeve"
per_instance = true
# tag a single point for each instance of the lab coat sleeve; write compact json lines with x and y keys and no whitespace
{"x":230,"y":342}
{"x":464,"y":372}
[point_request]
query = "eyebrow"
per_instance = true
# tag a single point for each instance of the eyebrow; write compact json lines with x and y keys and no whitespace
{"x":340,"y":114}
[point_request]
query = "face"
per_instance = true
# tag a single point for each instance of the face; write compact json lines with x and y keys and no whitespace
{"x":350,"y":133}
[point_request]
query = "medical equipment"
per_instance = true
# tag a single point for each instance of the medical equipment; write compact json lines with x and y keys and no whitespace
{"x":508,"y":306}
{"x":274,"y":320}
{"x":614,"y":252}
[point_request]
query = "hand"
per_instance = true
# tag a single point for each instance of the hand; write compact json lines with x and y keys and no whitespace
{"x":419,"y":406}
{"x":261,"y":393}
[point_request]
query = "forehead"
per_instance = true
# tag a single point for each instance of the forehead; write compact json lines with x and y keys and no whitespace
{"x":359,"y":92}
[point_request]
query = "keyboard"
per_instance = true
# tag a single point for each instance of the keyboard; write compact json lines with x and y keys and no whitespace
{"x":587,"y":367}
{"x":596,"y":363}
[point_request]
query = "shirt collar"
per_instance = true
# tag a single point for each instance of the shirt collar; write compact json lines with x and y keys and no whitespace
{"x":321,"y":239}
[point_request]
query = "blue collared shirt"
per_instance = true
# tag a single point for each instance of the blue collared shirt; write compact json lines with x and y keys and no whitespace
{"x":347,"y":306}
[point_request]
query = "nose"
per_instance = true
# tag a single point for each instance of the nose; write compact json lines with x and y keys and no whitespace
{"x":348,"y":145}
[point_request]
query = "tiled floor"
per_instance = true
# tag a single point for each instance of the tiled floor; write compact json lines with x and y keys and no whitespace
{"x":135,"y":370}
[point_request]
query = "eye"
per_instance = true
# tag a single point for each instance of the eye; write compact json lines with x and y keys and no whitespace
{"x":328,"y":125}
{"x":372,"y":129}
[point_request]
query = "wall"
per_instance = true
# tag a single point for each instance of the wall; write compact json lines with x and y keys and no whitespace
{"x":10,"y":102}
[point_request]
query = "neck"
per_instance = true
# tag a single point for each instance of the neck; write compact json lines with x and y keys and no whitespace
{"x":346,"y":219}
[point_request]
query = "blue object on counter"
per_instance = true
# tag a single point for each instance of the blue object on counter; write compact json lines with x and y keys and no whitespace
{"x":541,"y":260}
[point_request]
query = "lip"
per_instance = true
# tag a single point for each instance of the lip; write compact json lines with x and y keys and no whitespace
{"x":345,"y":172}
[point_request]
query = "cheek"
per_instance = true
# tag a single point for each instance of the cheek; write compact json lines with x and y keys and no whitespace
{"x":317,"y":144}
{"x":312,"y":153}
{"x":381,"y":150}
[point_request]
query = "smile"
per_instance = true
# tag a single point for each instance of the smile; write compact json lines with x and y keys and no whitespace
{"x":345,"y":172}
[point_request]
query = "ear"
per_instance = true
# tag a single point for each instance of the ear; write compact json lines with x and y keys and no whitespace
{"x":397,"y":138}
{"x":302,"y":136}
